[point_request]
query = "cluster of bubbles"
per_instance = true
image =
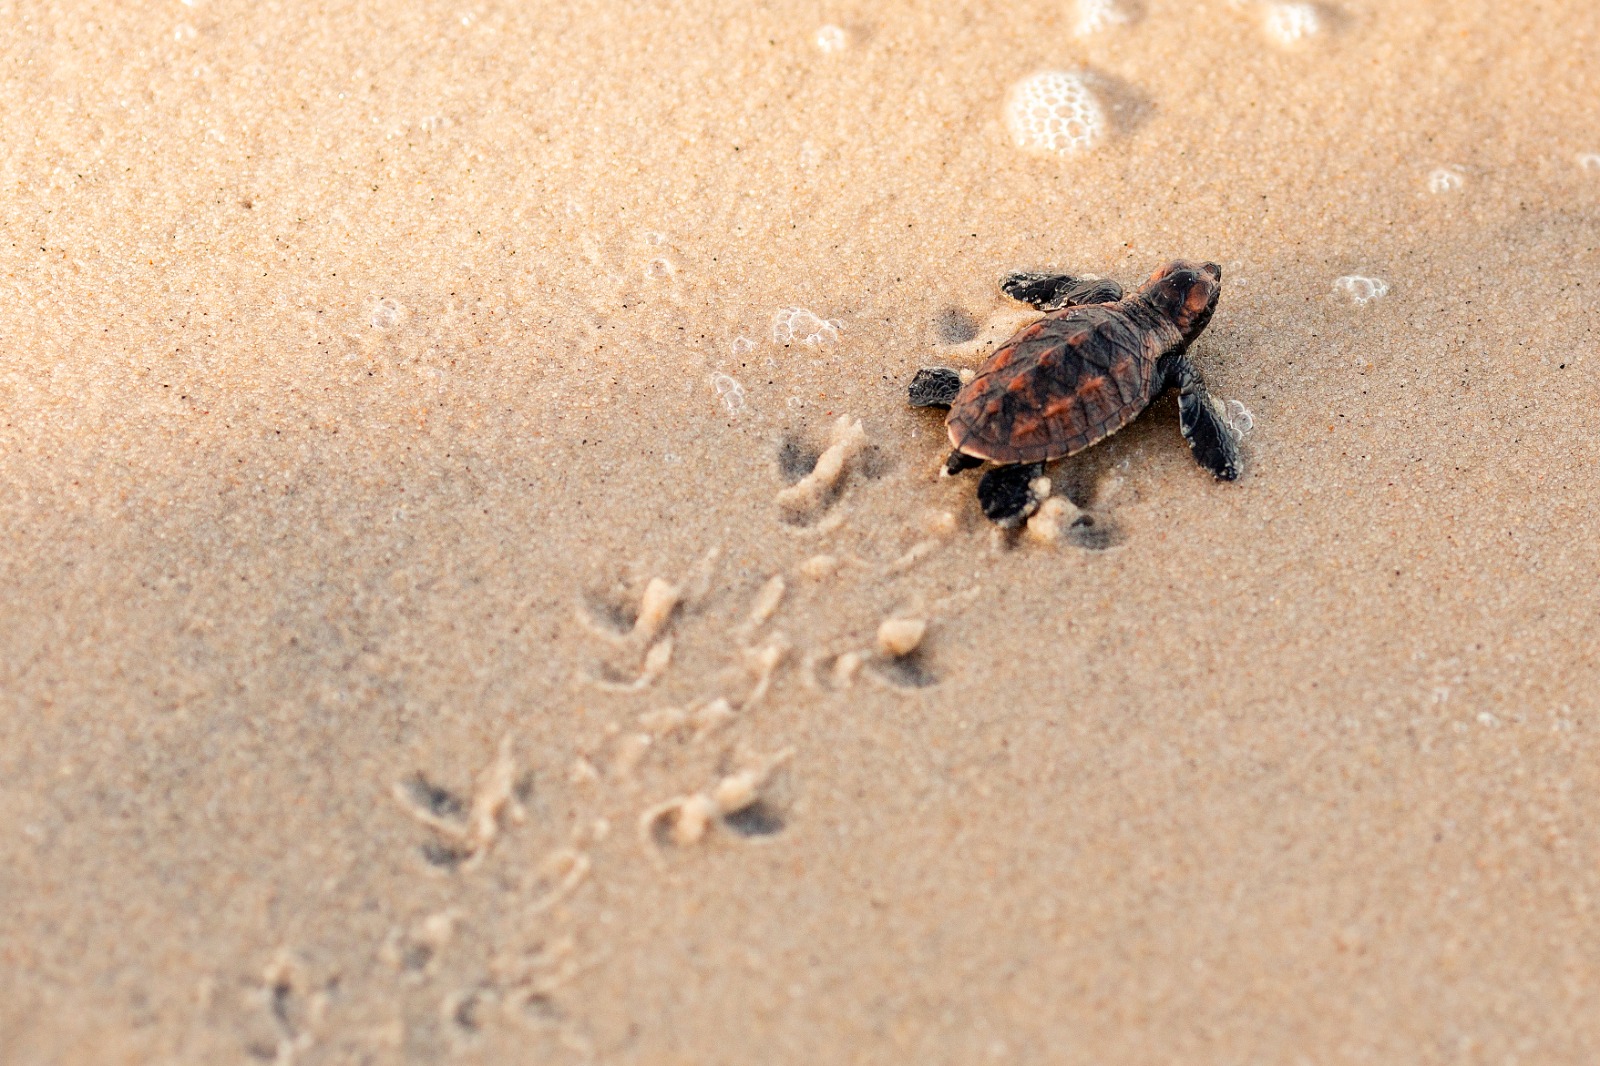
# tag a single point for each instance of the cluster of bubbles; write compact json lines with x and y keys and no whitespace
{"x":1361,"y":289}
{"x":796,"y":325}
{"x":1445,"y":179}
{"x":729,"y":392}
{"x":1239,"y":418}
{"x":1289,"y":24}
{"x":1097,"y":15}
{"x":1054,"y":111}
{"x":386,"y":313}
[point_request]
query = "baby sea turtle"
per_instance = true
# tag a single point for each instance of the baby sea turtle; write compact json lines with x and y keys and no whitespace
{"x":1078,"y":375}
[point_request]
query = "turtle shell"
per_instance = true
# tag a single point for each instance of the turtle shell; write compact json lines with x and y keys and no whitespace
{"x":1063,"y":383}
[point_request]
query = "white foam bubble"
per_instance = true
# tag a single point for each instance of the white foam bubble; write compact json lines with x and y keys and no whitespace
{"x":658,"y":269}
{"x":796,"y":325}
{"x":831,"y":38}
{"x":1097,"y":15}
{"x":386,"y":314}
{"x":1361,"y":289}
{"x":1445,"y":179}
{"x":1239,"y":418}
{"x":1054,"y":111}
{"x":1290,"y":24}
{"x":729,"y":391}
{"x":1589,"y":160}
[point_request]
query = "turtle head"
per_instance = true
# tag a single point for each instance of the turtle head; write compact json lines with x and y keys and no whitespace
{"x":1185,"y":292}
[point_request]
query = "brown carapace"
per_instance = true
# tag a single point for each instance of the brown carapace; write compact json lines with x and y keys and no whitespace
{"x":1079,"y":374}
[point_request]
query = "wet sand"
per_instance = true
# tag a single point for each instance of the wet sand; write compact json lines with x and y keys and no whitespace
{"x":362,"y":366}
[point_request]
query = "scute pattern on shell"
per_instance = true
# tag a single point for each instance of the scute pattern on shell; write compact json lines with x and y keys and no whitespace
{"x":1061,"y":384}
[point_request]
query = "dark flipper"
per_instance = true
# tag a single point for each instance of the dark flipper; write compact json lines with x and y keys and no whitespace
{"x":1210,"y":438}
{"x":1052,"y":292}
{"x":959,"y":461}
{"x":934,"y":386}
{"x":1006,"y":493}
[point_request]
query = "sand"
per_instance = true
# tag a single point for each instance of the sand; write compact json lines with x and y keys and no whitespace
{"x":362,"y":366}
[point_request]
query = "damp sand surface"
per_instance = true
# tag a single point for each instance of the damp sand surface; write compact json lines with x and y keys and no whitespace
{"x":474,"y":590}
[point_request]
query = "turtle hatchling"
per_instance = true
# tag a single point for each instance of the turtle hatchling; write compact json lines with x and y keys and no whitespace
{"x":1076,"y":376}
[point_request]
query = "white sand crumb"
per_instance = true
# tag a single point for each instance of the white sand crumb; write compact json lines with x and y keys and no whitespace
{"x":1053,"y":516}
{"x":913,"y":555}
{"x":416,"y":952}
{"x":819,"y":567}
{"x":556,"y":878}
{"x":767,"y":601}
{"x":656,"y":661}
{"x":711,"y":717}
{"x":816,"y":530}
{"x":661,"y":598}
{"x":901,"y":636}
{"x":493,"y":797}
{"x":1445,"y":179}
{"x":737,"y":791}
{"x":846,"y":667}
{"x":681,"y":820}
{"x":685,"y":820}
{"x":1054,"y":112}
{"x":848,"y":438}
{"x":697,"y":584}
{"x":629,"y":751}
{"x":665,"y":721}
{"x":763,"y":663}
{"x":583,"y":772}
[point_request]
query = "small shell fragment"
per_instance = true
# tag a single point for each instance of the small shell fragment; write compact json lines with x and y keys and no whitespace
{"x":900,"y":636}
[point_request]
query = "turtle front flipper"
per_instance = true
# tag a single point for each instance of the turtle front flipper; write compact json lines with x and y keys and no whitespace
{"x":1052,"y":292}
{"x":934,"y":386}
{"x":1009,"y":494}
{"x":1210,"y":437}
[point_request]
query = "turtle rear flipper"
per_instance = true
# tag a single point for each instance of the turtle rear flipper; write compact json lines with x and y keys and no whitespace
{"x":1200,"y":416}
{"x":1052,"y":292}
{"x":934,"y":386}
{"x":1008,"y":494}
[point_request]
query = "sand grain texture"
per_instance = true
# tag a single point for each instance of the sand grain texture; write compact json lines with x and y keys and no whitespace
{"x":362,"y":365}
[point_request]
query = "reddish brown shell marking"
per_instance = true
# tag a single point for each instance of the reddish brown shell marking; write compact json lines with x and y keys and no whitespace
{"x":1059,"y":385}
